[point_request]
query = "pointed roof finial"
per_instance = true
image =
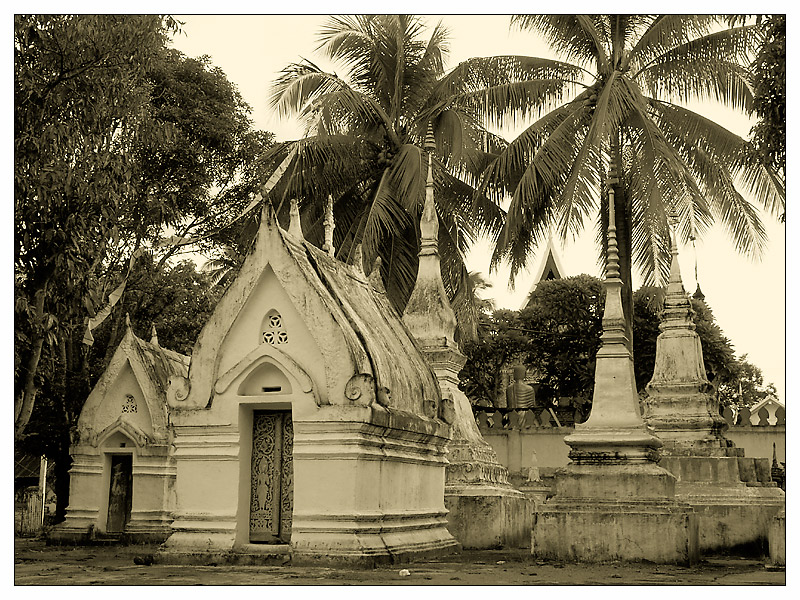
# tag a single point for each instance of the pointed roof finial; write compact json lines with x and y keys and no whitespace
{"x":429,"y":223}
{"x":294,"y":219}
{"x":128,"y":320}
{"x":698,"y":294}
{"x":153,"y":335}
{"x":375,"y":277}
{"x":675,"y":284}
{"x":329,"y":226}
{"x":357,"y":259}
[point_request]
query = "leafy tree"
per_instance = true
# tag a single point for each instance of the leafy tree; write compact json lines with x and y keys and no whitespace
{"x":499,"y":342}
{"x":365,"y":148}
{"x":80,"y":94}
{"x":563,"y":322}
{"x":769,"y":95}
{"x":744,"y":385}
{"x":177,"y":300}
{"x":620,"y":92}
{"x":116,"y":137}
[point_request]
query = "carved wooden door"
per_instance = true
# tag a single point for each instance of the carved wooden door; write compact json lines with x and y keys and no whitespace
{"x":271,"y":477}
{"x":120,"y":493}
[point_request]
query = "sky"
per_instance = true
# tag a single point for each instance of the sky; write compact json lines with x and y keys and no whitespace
{"x":746,"y":296}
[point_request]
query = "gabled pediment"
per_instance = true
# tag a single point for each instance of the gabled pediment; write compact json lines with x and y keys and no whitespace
{"x":129,"y":388}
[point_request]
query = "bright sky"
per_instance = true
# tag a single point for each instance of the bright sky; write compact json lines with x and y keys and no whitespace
{"x":748,"y":298}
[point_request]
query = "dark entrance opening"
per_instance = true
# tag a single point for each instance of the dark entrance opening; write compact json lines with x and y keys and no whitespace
{"x":120,"y":493}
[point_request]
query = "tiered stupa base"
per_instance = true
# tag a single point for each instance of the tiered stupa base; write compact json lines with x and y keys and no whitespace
{"x":731,"y":514}
{"x":485,"y":511}
{"x":604,"y":513}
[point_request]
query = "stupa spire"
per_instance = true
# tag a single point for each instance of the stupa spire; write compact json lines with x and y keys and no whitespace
{"x":428,"y":314}
{"x":615,"y":430}
{"x":677,"y":313}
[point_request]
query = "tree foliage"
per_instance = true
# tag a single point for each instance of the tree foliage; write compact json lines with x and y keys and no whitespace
{"x":744,"y":386}
{"x":80,"y":94}
{"x":116,"y":138}
{"x":563,"y":322}
{"x":769,"y":94}
{"x":118,"y":142}
{"x":558,"y":337}
{"x":499,"y":342}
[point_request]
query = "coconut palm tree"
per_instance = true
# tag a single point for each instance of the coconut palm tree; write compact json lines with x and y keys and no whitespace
{"x":364,"y":148}
{"x":620,"y":91}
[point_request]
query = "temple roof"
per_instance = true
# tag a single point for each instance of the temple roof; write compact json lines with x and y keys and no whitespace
{"x":159,"y":363}
{"x":550,"y":267}
{"x":354,"y":326}
{"x":152,"y":366}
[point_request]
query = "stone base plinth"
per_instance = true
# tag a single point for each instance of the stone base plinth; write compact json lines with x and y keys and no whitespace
{"x":363,"y":542}
{"x":777,"y":540}
{"x":600,"y":531}
{"x":483,"y":517}
{"x":615,"y":512}
{"x":248,"y":555}
{"x":732,"y":518}
{"x":731,"y":515}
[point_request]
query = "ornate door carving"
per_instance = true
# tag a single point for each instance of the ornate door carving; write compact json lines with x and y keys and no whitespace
{"x":271,"y":477}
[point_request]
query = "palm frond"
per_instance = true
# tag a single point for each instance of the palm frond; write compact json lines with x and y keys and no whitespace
{"x":662,"y":33}
{"x":572,"y":36}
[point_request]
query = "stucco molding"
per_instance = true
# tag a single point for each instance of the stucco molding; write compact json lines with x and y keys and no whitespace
{"x":268,"y":353}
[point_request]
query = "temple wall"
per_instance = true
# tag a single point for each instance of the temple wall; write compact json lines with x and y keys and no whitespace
{"x":514,"y":446}
{"x":757,"y":441}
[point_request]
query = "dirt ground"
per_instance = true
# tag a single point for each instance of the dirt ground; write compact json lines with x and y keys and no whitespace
{"x":38,"y":564}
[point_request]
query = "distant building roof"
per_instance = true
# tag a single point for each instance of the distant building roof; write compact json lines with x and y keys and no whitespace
{"x":550,"y":267}
{"x":764,"y":402}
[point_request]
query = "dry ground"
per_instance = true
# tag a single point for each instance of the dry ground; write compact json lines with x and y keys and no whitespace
{"x":38,"y":564}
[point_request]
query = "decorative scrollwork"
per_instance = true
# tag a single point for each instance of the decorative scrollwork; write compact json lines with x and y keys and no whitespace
{"x":177,"y":389}
{"x":263,"y":481}
{"x":287,"y":479}
{"x":360,"y":387}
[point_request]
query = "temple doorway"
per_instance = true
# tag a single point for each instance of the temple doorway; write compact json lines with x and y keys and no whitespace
{"x":120,"y":493}
{"x":271,"y":478}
